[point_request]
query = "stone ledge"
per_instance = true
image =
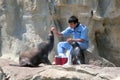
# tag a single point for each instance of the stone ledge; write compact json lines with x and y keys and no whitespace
{"x":57,"y":72}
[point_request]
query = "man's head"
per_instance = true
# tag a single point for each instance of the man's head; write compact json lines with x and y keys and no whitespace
{"x":73,"y":21}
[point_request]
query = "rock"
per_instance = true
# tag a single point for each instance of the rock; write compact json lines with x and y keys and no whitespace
{"x":25,"y":23}
{"x":57,"y":72}
{"x":109,"y":48}
{"x":94,"y":59}
{"x":107,"y":30}
{"x":1,"y":74}
{"x":116,"y":78}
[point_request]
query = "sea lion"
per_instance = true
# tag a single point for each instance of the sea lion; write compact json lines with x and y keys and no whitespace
{"x":35,"y":56}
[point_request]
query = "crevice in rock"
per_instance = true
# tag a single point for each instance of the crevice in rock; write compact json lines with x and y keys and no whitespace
{"x":102,"y":7}
{"x":86,"y":72}
{"x":15,"y":26}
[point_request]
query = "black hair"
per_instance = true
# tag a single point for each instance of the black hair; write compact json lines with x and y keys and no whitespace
{"x":73,"y":19}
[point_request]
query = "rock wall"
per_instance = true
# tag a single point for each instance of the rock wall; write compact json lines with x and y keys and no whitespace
{"x":107,"y":32}
{"x":25,"y":23}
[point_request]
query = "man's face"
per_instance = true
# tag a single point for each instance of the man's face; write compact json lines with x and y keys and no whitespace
{"x":73,"y":25}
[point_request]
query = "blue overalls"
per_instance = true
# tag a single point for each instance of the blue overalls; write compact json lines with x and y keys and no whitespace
{"x":80,"y":32}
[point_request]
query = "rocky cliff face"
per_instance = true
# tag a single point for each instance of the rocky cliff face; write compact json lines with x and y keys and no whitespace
{"x":25,"y":23}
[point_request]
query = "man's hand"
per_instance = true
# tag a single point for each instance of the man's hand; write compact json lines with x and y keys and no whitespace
{"x":75,"y":40}
{"x":70,"y":40}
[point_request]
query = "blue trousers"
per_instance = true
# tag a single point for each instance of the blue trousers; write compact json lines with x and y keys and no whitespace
{"x":62,"y":47}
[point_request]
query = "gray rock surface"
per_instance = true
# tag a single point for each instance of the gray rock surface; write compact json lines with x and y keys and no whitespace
{"x":57,"y":72}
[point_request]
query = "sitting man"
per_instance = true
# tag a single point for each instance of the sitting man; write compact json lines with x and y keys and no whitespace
{"x":79,"y":33}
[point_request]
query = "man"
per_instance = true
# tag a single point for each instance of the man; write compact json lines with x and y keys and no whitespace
{"x":79,"y":33}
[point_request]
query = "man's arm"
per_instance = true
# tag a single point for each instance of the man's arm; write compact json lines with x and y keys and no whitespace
{"x":84,"y":35}
{"x":78,"y":40}
{"x":75,"y":40}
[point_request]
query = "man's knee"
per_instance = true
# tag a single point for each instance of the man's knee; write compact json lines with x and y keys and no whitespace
{"x":63,"y":44}
{"x":60,"y":44}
